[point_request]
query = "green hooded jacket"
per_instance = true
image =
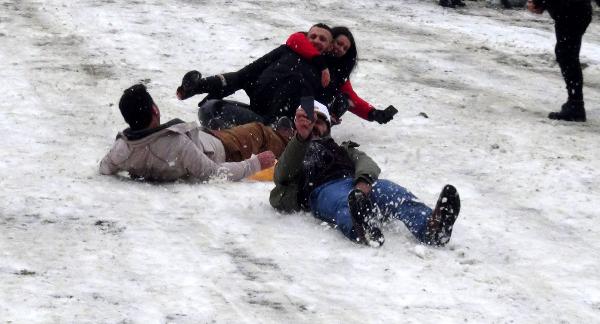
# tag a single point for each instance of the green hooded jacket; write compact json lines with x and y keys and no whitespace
{"x":284,"y":196}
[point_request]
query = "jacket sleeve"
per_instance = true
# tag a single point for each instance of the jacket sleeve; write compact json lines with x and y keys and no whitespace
{"x":118,"y":152}
{"x":287,"y":175}
{"x":107,"y":167}
{"x":298,"y":43}
{"x":200,"y":166}
{"x":365,"y":168}
{"x":361,"y":107}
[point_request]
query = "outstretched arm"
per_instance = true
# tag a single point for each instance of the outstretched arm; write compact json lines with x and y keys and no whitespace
{"x":364,"y":109}
{"x":203,"y":168}
{"x":359,"y":107}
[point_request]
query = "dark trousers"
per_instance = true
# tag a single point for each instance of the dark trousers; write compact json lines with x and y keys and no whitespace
{"x":222,"y":114}
{"x":570,"y":22}
{"x":281,"y":98}
{"x":329,"y":202}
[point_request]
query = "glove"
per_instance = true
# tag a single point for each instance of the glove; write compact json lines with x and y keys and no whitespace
{"x":382,"y":116}
{"x":189,"y":84}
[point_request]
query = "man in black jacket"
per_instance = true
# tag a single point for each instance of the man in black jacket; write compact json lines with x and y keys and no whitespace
{"x":274,"y":83}
{"x":571,"y":19}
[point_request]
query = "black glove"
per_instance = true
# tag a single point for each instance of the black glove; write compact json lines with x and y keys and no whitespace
{"x":189,"y":85}
{"x":382,"y":116}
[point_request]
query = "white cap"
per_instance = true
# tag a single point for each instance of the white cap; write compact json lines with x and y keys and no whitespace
{"x":321,"y":109}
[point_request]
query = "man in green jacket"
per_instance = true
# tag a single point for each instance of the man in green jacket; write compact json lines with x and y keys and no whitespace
{"x":340,"y":185}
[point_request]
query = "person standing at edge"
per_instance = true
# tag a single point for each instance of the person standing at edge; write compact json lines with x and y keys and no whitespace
{"x":571,"y":19}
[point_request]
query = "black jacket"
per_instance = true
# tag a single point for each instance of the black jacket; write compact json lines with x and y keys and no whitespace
{"x":275,"y":82}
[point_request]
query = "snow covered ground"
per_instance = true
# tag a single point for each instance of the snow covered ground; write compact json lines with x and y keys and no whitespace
{"x":77,"y":247}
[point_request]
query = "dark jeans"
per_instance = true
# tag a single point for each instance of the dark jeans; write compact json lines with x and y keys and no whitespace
{"x":268,"y":101}
{"x":329,"y":202}
{"x":570,"y":22}
{"x":223,"y":114}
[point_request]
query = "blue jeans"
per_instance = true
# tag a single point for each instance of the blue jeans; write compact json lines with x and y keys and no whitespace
{"x":329,"y":202}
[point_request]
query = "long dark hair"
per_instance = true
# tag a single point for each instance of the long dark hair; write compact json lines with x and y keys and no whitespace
{"x":345,"y":65}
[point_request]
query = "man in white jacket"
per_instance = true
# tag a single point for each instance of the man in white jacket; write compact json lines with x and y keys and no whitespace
{"x":176,"y":150}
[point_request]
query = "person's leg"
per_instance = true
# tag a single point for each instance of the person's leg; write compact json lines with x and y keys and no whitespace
{"x":329,"y":202}
{"x":279,"y":99}
{"x":394,"y":201}
{"x":569,"y":28}
{"x":570,"y":24}
{"x":241,"y":142}
{"x":219,"y":114}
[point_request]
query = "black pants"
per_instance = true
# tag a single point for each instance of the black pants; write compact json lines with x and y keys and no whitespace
{"x":280,"y":98}
{"x":223,"y":114}
{"x":273,"y":97}
{"x":570,"y":22}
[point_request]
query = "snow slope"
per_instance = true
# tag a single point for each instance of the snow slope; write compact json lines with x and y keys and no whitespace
{"x":77,"y":247}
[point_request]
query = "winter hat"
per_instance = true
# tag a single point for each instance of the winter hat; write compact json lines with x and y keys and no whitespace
{"x":322,"y":109}
{"x":136,"y":107}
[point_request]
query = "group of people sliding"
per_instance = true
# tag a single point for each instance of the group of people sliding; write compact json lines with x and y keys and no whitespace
{"x":337,"y":183}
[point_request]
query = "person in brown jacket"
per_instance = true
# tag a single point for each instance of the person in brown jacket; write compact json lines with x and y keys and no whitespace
{"x":175,"y":150}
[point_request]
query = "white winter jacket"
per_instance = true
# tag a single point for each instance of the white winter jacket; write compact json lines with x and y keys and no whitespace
{"x":180,"y":151}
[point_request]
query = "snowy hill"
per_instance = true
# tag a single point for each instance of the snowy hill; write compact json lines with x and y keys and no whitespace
{"x":77,"y":247}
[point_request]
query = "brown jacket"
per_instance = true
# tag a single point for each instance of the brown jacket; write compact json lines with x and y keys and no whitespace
{"x":180,"y":151}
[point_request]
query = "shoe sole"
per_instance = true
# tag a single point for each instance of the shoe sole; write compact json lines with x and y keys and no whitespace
{"x":449,"y":218}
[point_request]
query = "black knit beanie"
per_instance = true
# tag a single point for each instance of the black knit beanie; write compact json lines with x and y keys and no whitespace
{"x":136,"y":107}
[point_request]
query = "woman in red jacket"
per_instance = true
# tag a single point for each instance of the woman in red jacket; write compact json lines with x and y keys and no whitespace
{"x":340,"y":63}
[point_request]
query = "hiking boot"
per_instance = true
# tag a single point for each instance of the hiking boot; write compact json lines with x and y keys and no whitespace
{"x":362,"y":212}
{"x":189,"y":84}
{"x":572,"y":110}
{"x":458,"y":3}
{"x":443,"y":216}
{"x":447,"y":4}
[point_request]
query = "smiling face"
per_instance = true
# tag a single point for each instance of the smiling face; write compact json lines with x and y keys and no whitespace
{"x":341,"y":44}
{"x":320,"y":38}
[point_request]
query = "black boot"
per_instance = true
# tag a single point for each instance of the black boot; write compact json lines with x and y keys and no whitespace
{"x":193,"y":84}
{"x":458,"y":3}
{"x":572,"y":110}
{"x":447,"y":3}
{"x":441,"y":222}
{"x":362,"y":212}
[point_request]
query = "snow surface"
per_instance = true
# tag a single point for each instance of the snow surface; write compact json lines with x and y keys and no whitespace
{"x":77,"y":247}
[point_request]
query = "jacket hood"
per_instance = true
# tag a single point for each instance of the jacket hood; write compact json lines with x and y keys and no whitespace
{"x":132,"y":135}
